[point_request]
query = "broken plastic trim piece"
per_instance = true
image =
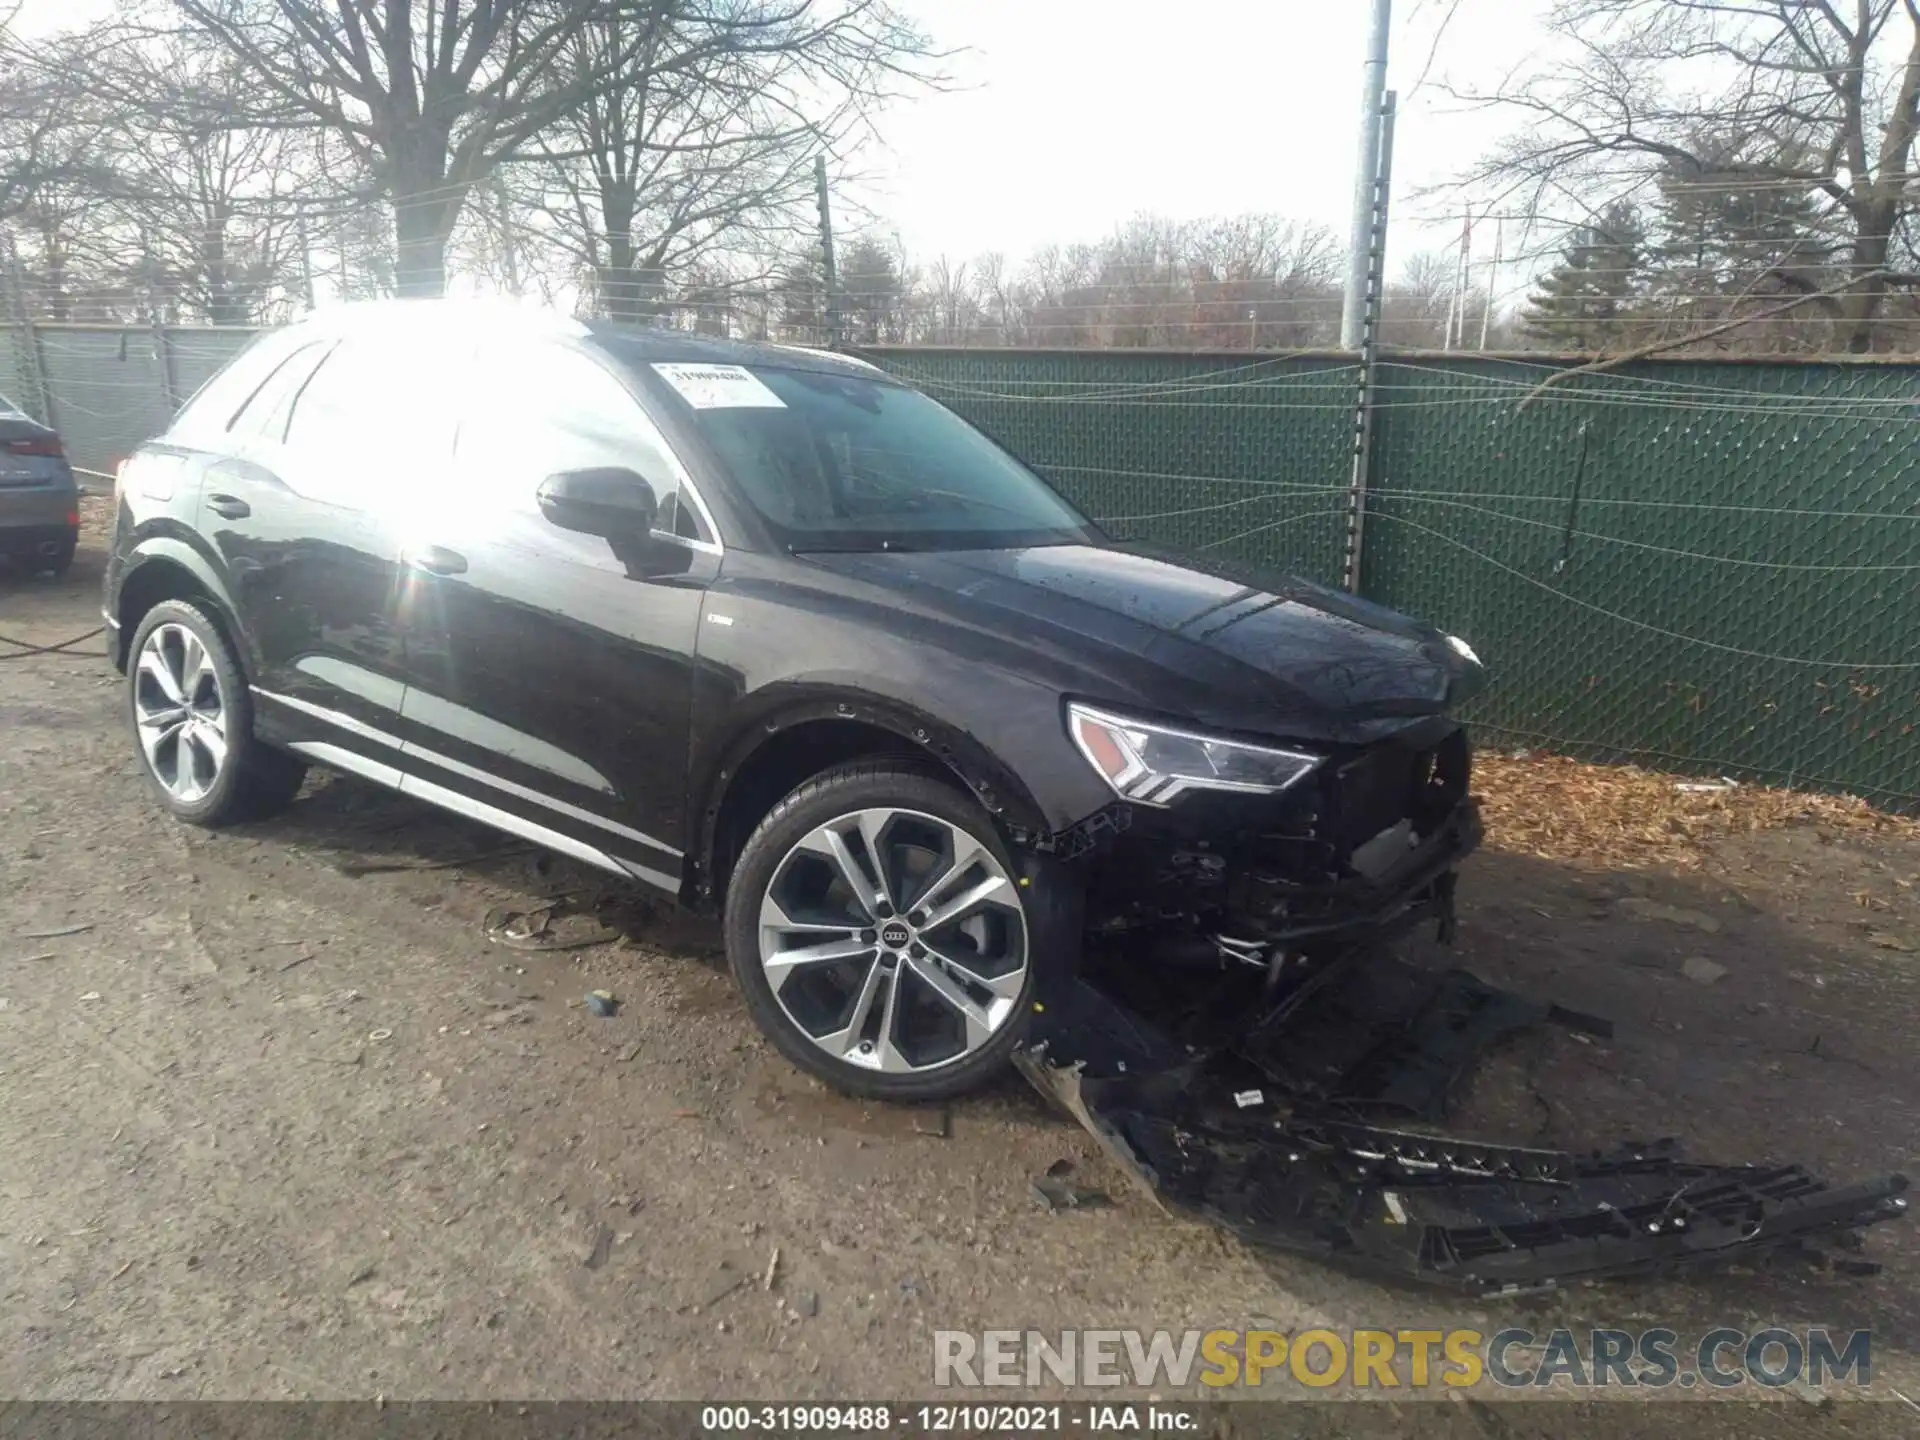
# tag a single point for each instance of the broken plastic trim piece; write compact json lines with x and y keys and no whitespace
{"x":1295,"y":1168}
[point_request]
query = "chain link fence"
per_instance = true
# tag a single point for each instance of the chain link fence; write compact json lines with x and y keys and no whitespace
{"x":106,"y":388}
{"x":1711,"y":568}
{"x":1707,"y":567}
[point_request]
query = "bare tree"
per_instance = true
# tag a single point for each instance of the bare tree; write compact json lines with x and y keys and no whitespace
{"x":208,"y":203}
{"x":702,"y":141}
{"x":1816,"y":98}
{"x":433,"y":96}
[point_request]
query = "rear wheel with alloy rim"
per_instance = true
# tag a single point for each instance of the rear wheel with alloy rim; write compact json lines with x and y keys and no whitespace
{"x":877,"y":930}
{"x":193,"y":721}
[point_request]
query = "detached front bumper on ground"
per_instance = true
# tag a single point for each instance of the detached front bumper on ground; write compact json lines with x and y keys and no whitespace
{"x":1314,"y":1128}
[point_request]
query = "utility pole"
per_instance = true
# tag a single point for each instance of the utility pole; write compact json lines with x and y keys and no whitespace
{"x":1493,"y":279}
{"x":830,"y":275}
{"x":1462,"y":281}
{"x":1366,"y":170}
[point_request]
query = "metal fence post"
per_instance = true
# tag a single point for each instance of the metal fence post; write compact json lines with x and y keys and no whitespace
{"x":1369,"y":352}
{"x":32,"y":356}
{"x":163,"y":352}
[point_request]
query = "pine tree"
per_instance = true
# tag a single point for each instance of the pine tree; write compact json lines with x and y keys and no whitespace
{"x":1590,"y":299}
{"x":1721,"y":229}
{"x":800,"y":295}
{"x":870,"y":294}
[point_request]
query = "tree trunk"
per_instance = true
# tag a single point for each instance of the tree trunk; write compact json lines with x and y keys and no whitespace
{"x":619,"y":285}
{"x":630,"y":289}
{"x":224,"y":306}
{"x":1860,"y":305}
{"x":422,"y":228}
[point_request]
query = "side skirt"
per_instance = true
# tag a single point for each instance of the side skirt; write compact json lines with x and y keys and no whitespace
{"x":391,"y":776}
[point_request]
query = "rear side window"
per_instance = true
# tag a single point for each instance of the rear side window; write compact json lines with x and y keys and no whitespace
{"x":387,"y":396}
{"x":265,"y":412}
{"x":204,"y":420}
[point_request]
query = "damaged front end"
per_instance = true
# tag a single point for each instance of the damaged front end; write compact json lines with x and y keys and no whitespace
{"x":1241,"y":1041}
{"x":1363,"y":848}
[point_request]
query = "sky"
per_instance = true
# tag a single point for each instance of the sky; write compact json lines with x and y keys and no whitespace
{"x":1066,"y":117}
{"x":1072,"y":115}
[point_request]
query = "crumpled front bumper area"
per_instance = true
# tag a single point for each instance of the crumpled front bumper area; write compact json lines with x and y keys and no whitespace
{"x":1315,"y":1129}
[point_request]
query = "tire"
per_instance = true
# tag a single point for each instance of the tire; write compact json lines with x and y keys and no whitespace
{"x":958,"y":992}
{"x":61,"y":561}
{"x":193,"y":725}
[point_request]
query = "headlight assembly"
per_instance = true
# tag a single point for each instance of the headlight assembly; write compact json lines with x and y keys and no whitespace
{"x":1155,"y":765}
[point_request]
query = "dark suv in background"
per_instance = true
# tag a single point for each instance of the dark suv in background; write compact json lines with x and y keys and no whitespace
{"x":772,"y":633}
{"x":39,"y":499}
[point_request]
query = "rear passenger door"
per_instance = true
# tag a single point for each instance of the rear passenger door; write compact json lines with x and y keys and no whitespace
{"x":311,"y":516}
{"x":549,"y":678}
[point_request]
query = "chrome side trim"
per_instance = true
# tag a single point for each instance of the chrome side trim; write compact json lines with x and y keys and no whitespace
{"x":352,"y":760}
{"x":332,"y":717}
{"x":445,"y":717}
{"x":528,"y":830}
{"x":587,"y":817}
{"x":459,"y":804}
{"x":470,"y":772}
{"x":369,"y":685}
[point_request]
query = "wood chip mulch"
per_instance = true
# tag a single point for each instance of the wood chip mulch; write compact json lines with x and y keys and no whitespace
{"x":1623,"y":816}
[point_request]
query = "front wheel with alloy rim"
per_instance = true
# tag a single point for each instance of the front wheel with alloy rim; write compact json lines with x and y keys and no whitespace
{"x":879,"y":935}
{"x":193,"y":722}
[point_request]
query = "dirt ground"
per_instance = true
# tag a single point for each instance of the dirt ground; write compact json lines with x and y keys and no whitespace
{"x":276,"y":1125}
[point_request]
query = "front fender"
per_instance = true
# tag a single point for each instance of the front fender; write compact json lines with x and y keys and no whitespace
{"x":760,"y":719}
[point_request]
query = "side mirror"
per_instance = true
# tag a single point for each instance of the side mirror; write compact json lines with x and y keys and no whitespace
{"x":611,"y":502}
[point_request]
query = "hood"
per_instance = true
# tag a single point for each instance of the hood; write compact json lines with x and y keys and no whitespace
{"x":1219,"y":644}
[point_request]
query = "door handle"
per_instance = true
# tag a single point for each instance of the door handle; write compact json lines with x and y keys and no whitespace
{"x":437,"y":560}
{"x":230,"y":507}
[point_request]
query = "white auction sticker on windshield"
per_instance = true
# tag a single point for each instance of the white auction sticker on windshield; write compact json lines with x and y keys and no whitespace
{"x":719,"y":387}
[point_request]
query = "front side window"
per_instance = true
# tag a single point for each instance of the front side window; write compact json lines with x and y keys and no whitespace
{"x":534,"y":411}
{"x":838,"y":462}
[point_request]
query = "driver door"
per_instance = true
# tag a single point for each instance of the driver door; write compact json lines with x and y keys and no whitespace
{"x":550,"y":679}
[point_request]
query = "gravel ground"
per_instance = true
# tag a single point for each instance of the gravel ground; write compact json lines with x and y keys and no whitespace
{"x":280,"y":1121}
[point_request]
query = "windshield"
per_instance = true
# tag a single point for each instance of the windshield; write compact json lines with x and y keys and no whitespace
{"x":837,"y":462}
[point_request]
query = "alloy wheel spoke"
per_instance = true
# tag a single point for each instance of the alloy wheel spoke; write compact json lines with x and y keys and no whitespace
{"x":156,"y":732}
{"x":978,"y":1023}
{"x":966,"y":850}
{"x":967,"y":900}
{"x":830,"y":843}
{"x":888,"y":1057}
{"x":212,"y":743}
{"x":196,"y":668}
{"x":845,"y":1041}
{"x":782,"y":963}
{"x":155,"y":665}
{"x":774,"y":916}
{"x":1002,"y":987}
{"x":873,"y":824}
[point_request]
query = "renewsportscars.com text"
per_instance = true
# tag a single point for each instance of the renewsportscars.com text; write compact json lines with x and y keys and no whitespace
{"x":1720,"y":1359}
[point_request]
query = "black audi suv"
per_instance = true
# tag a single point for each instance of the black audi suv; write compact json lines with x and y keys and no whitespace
{"x":775,"y":634}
